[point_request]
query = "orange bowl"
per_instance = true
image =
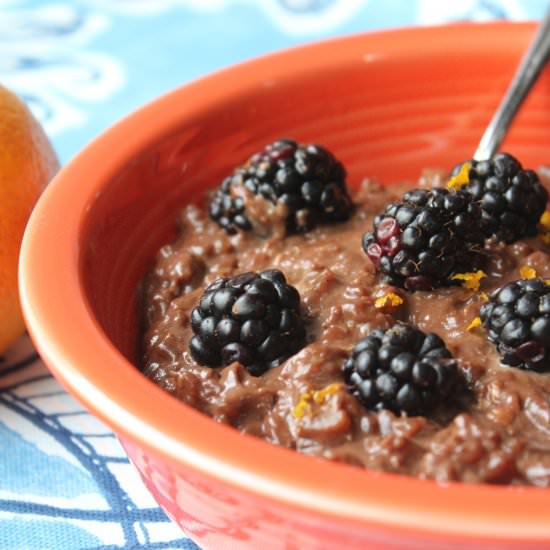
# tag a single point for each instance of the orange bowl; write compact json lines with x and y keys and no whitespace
{"x":388,"y":104}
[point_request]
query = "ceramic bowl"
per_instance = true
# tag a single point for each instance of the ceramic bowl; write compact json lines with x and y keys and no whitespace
{"x":388,"y":104}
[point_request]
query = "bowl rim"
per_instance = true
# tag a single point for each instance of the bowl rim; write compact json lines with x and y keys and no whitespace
{"x":49,"y":276}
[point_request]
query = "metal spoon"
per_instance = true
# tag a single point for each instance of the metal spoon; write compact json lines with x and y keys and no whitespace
{"x":526,"y":75}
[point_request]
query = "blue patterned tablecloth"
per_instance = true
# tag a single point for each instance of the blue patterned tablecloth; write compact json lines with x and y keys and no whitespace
{"x":65,"y":482}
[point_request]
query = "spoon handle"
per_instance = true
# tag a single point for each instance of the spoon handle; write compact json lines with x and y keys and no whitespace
{"x":527,"y":73}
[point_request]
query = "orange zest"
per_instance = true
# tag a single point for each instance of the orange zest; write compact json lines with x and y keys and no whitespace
{"x":527,"y":272}
{"x":545,"y":220}
{"x":476,"y":322}
{"x":391,"y":299}
{"x":544,"y":223}
{"x":304,"y":406}
{"x":461,"y":179}
{"x":470,"y":280}
{"x":319,"y":397}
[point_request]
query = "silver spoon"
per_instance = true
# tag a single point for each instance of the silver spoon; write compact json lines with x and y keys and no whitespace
{"x":526,"y":75}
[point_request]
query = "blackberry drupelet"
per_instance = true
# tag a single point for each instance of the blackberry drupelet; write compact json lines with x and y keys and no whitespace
{"x":401,"y":369}
{"x":252,"y":318}
{"x":306,"y":178}
{"x":512,"y":199}
{"x":420,"y":242}
{"x":517,"y":320}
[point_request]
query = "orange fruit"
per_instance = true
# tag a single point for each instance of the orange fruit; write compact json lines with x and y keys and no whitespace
{"x":27,"y":163}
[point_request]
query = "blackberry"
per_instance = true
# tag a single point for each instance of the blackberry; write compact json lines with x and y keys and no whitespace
{"x":402,"y":369}
{"x":306,"y":178}
{"x":517,"y":320}
{"x":252,"y":318}
{"x":420,"y":242}
{"x":512,"y":199}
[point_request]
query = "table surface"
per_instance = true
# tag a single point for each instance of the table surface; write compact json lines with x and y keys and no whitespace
{"x":65,"y":482}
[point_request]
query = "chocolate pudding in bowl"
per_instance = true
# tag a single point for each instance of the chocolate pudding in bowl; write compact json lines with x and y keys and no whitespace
{"x":398,"y":328}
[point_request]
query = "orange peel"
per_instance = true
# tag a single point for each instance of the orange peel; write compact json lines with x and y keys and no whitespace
{"x":390,"y":299}
{"x":461,"y":179}
{"x":527,"y":272}
{"x":476,"y":322}
{"x":470,"y":280}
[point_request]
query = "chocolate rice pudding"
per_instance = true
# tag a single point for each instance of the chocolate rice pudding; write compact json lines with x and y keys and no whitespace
{"x":496,"y":432}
